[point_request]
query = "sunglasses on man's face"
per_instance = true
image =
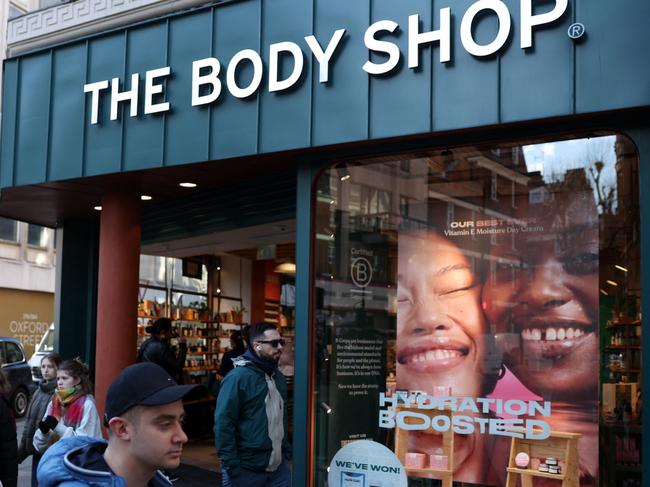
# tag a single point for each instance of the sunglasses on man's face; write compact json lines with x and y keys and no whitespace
{"x":273,"y":343}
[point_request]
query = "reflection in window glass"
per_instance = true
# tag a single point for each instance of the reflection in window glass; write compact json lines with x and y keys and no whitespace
{"x":8,"y":230}
{"x":152,"y":270}
{"x":14,"y":11}
{"x":37,"y":236}
{"x":179,"y":281}
{"x":479,"y":302}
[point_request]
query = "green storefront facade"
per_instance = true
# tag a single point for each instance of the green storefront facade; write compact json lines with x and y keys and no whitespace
{"x":277,"y":91}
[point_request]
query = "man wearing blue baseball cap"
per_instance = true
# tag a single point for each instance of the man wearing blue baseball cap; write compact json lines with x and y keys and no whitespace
{"x":144,"y":414}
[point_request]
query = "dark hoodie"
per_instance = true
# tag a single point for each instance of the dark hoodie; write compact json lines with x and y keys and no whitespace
{"x":8,"y":446}
{"x":78,"y":461}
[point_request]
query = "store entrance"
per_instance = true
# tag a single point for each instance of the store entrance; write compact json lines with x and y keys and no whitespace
{"x":211,"y":287}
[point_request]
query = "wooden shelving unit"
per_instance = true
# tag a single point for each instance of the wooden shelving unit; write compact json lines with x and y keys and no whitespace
{"x":563,"y":446}
{"x":401,"y":448}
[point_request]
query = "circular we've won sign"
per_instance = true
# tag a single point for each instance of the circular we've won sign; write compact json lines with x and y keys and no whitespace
{"x":366,"y":463}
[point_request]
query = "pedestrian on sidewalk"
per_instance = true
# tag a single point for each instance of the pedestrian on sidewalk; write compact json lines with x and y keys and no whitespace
{"x":36,"y":410}
{"x":72,"y":410}
{"x":144,"y":414}
{"x":236,"y":349}
{"x":157,"y":349}
{"x":251,"y":415}
{"x":8,"y":444}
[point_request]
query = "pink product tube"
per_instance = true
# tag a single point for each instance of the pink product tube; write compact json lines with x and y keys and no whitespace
{"x":438,"y":462}
{"x":415,"y":460}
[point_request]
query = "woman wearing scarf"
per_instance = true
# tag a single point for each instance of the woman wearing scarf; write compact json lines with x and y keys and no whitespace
{"x":72,"y":411}
{"x":36,"y":410}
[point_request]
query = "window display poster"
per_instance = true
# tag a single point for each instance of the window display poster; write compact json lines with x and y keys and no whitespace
{"x":497,"y":321}
{"x":358,"y":366}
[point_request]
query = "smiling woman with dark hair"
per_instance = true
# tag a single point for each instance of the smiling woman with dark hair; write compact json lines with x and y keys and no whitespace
{"x":544,"y":288}
{"x":443,"y":340}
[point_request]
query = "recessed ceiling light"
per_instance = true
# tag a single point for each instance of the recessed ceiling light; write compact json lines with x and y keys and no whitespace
{"x":187,"y":185}
{"x":620,"y":267}
{"x":97,"y":208}
{"x":145,"y":197}
{"x":611,"y":283}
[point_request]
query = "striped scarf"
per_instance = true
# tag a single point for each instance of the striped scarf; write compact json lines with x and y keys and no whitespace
{"x":68,"y":404}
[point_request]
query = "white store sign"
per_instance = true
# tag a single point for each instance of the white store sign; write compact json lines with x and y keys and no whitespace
{"x":366,"y":463}
{"x":207,"y":85}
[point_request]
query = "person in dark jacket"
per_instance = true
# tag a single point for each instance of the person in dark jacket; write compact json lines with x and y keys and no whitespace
{"x":144,"y":413}
{"x":237,"y":348}
{"x":8,"y":444}
{"x":251,"y":416}
{"x":36,"y":410}
{"x":158,"y":350}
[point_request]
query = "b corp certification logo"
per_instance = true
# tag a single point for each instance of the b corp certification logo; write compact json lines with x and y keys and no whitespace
{"x":361,"y":272}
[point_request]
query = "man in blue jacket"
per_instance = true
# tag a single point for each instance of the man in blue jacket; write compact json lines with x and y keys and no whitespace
{"x":144,"y":413}
{"x":251,"y":416}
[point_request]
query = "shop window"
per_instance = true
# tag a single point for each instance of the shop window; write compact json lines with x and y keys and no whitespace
{"x":471,"y":329}
{"x":15,"y":11}
{"x":8,"y":230}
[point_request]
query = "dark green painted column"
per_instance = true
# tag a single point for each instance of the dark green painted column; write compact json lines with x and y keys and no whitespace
{"x":642,"y":139}
{"x":307,"y":171}
{"x":76,"y":289}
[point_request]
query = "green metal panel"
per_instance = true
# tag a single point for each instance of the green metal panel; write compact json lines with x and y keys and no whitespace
{"x":400,"y":103}
{"x":612,"y":68}
{"x":33,"y":124}
{"x":307,"y":171}
{"x":285,"y":116}
{"x":465,"y":90}
{"x":103,"y":144}
{"x":66,"y":146}
{"x":143,"y":135}
{"x":76,"y":293}
{"x":544,"y":72}
{"x":10,"y":99}
{"x":188,"y":130}
{"x":234,"y":124}
{"x":43,"y":134}
{"x":340,"y":107}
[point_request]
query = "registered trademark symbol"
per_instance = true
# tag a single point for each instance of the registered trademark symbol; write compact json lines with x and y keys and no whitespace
{"x":576,"y":30}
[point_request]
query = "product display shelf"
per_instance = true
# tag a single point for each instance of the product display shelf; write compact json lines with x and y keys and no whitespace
{"x":402,"y":443}
{"x":199,"y":369}
{"x":149,"y":317}
{"x":561,"y":445}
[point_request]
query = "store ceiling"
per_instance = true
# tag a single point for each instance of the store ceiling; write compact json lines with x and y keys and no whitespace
{"x":50,"y":204}
{"x":242,"y":241}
